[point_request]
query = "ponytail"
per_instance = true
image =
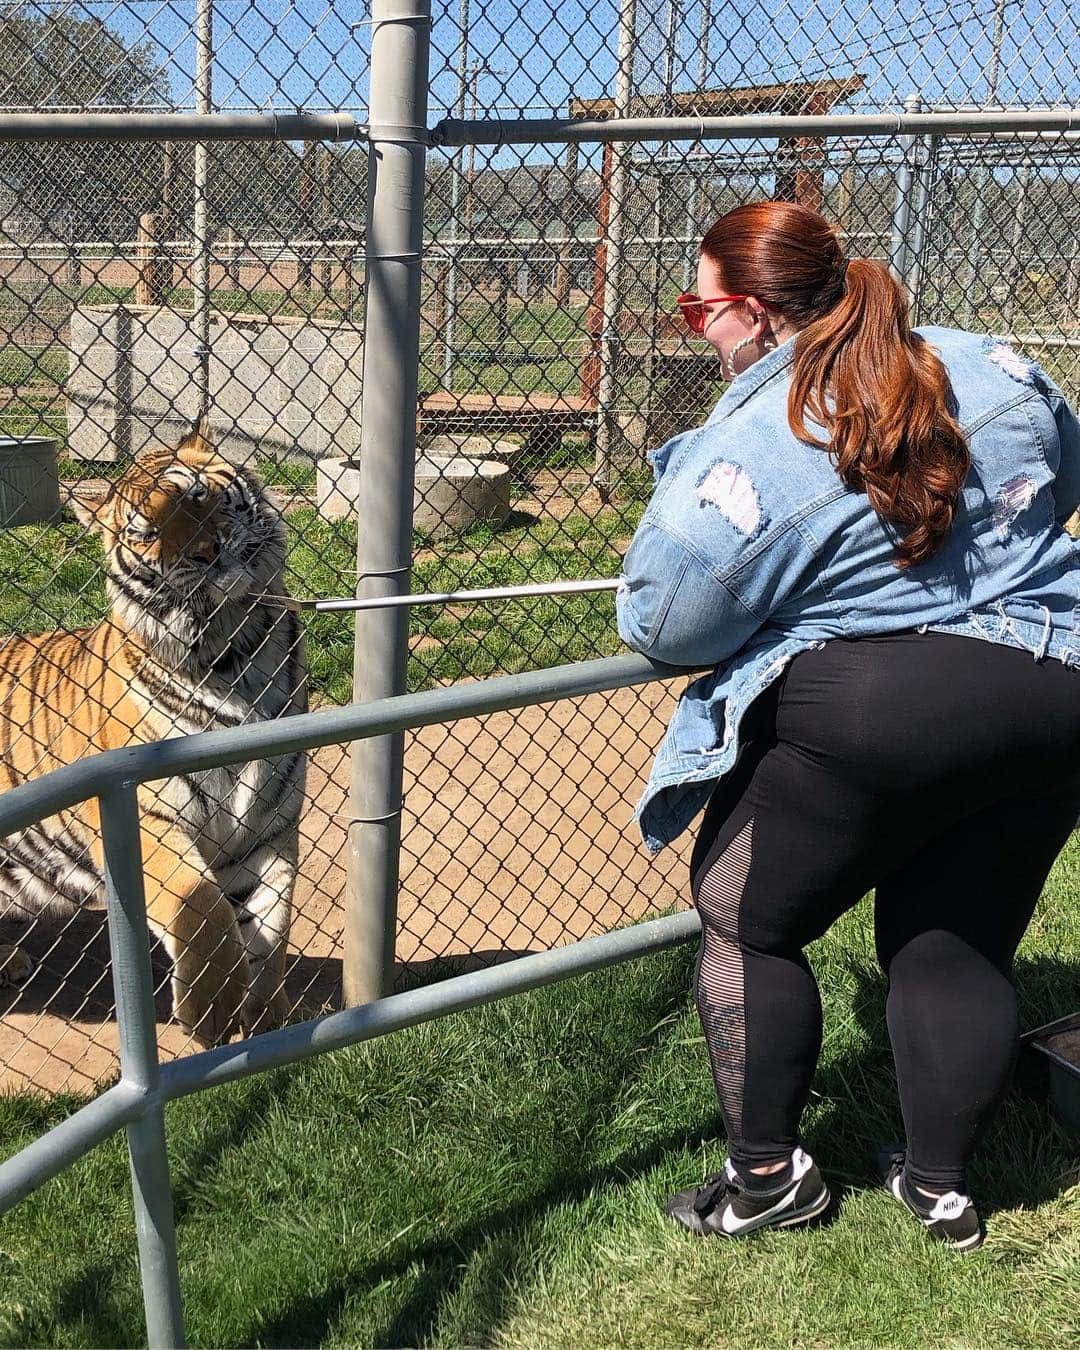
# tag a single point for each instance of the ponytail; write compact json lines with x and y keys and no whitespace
{"x":876,"y":389}
{"x":884,"y":398}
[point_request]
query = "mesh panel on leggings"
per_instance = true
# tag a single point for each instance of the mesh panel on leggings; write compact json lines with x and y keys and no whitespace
{"x":720,"y":972}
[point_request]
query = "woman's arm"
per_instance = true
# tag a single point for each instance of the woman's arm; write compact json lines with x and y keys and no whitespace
{"x":674,"y":607}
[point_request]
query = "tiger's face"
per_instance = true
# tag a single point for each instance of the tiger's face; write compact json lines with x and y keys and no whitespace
{"x":185,"y":530}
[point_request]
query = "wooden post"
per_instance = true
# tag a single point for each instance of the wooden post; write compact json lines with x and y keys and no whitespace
{"x":800,"y":174}
{"x":1072,"y":281}
{"x":442,"y":311}
{"x":502,"y":306}
{"x":154,"y":263}
{"x":230,"y":257}
{"x":325,"y":162}
{"x":348,"y":296}
{"x":594,"y":317}
{"x":845,"y":195}
{"x":562,"y":266}
{"x":306,"y":203}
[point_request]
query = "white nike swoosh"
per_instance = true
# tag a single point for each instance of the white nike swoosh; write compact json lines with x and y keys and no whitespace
{"x":731,"y":1223}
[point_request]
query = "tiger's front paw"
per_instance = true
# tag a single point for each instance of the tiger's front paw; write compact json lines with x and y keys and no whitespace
{"x":259,"y":1017}
{"x":208,"y":996}
{"x":264,"y":1009}
{"x":15,"y":966}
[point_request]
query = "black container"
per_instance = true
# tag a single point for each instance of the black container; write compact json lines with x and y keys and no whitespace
{"x":1055,"y":1049}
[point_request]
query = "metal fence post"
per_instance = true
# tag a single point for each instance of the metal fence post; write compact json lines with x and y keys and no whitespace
{"x":925,"y":168}
{"x":609,"y":333}
{"x":453,"y":224}
{"x":200,"y":279}
{"x":900,"y":249}
{"x":395,"y":218}
{"x":133,"y":985}
{"x":982,"y":178}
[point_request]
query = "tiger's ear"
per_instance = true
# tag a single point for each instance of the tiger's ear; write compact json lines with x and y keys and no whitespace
{"x":89,"y":502}
{"x":198,"y":438}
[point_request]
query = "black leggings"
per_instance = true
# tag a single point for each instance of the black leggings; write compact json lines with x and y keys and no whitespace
{"x":943,"y":771}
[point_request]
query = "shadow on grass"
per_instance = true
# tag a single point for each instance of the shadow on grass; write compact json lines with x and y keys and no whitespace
{"x":487,"y":1253}
{"x":475,"y":1263}
{"x":500,"y":1241}
{"x":436,"y":969}
{"x":89,"y":1303}
{"x":1048,"y":988}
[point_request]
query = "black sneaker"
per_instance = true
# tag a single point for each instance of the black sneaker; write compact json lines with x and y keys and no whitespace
{"x":722,"y":1207}
{"x":951,"y":1218}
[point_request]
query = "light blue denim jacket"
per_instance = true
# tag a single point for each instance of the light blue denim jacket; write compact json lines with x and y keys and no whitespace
{"x":752,"y":550}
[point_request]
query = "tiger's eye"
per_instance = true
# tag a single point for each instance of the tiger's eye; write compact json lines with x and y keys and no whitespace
{"x":144,"y":535}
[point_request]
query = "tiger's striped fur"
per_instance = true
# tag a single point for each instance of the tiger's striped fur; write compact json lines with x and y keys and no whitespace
{"x":192,"y":544}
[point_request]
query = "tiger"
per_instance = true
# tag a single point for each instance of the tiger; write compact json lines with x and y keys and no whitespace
{"x":195,"y":640}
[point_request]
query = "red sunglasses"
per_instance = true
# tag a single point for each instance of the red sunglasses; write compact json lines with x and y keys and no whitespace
{"x":693,"y":308}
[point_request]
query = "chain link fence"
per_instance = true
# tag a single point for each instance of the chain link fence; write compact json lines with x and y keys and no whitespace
{"x":144,"y":284}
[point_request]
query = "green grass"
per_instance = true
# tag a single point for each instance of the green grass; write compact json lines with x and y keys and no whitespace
{"x":33,"y":365}
{"x":53,"y":578}
{"x":500,"y":636}
{"x":285,"y":473}
{"x":496,"y":1179}
{"x":28,"y":419}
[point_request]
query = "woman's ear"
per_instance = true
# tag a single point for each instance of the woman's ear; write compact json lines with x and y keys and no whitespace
{"x":762,"y":324}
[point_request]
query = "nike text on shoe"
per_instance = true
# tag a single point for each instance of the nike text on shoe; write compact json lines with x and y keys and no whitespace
{"x":952,"y":1218}
{"x":720,"y":1207}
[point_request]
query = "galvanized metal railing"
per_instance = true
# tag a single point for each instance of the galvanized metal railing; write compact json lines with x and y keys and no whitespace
{"x":137,"y":1101}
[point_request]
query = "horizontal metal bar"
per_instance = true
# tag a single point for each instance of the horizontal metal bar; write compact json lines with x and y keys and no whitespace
{"x":136,"y":126}
{"x":535,"y":131}
{"x":341,"y":1029}
{"x":67,"y":1142}
{"x":286,"y":250}
{"x":444,"y":597}
{"x":73,"y":783}
{"x":1041,"y":339}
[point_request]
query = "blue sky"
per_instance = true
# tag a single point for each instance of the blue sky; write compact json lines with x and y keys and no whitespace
{"x":314,"y":53}
{"x":532,"y":57}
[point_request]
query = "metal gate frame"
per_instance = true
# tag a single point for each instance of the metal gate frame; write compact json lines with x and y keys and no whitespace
{"x":398,"y":142}
{"x":137,"y":1101}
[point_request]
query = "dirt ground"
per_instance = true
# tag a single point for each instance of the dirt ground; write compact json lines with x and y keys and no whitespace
{"x":517,"y":836}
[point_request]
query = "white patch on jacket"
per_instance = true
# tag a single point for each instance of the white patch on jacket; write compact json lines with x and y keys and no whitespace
{"x":1015,"y":497}
{"x":730,"y":490}
{"x":1011,"y":362}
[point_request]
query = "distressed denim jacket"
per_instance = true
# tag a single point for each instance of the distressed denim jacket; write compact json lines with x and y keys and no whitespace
{"x":752,"y":550}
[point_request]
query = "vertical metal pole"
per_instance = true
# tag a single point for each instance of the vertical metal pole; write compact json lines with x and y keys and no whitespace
{"x":1072,"y":276}
{"x":613,"y":259}
{"x":663,"y":181}
{"x":455,"y":205}
{"x":200,"y":272}
{"x":925,"y":155}
{"x":693,"y":229}
{"x":1017,"y":240}
{"x":133,"y":985}
{"x":981,"y":177}
{"x":900,"y":239}
{"x":845,"y":192}
{"x":395,"y":219}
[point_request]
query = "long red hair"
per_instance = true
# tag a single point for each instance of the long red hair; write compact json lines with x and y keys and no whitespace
{"x":877,"y":389}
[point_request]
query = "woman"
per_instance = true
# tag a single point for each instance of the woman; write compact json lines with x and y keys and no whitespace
{"x":866,"y":541}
